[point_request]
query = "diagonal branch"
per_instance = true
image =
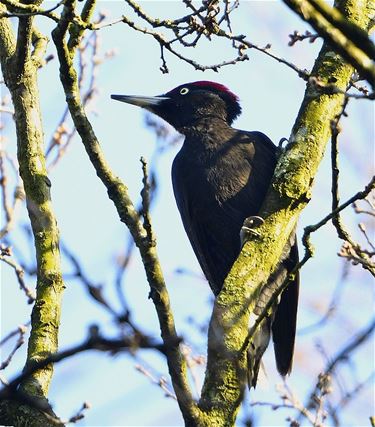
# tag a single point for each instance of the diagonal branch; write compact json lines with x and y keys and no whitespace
{"x":309,"y":251}
{"x":95,"y":341}
{"x":288,"y":195}
{"x":341,"y":31}
{"x":355,"y":34}
{"x":10,"y":393}
{"x":118,"y":193}
{"x":343,"y":354}
{"x":19,"y":10}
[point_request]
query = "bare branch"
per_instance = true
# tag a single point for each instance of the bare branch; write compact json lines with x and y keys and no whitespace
{"x":11,"y":392}
{"x":161,"y":382}
{"x":20,"y":10}
{"x":94,"y":290}
{"x":79,"y":415}
{"x":331,"y":306}
{"x":94,"y":342}
{"x":309,"y":251}
{"x":352,"y":394}
{"x":207,"y":26}
{"x":355,"y":34}
{"x":290,"y":401}
{"x":20,"y":75}
{"x":20,"y":275}
{"x":118,"y":193}
{"x":330,"y":89}
{"x":298,"y":37}
{"x":359,"y":255}
{"x":14,"y":333}
{"x":146,"y":197}
{"x":342,"y":355}
{"x":21,"y":330}
{"x":350,"y":41}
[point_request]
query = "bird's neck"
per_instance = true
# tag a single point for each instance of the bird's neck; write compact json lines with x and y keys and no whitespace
{"x":208,"y":131}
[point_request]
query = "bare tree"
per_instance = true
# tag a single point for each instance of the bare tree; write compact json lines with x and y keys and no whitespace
{"x":345,"y":59}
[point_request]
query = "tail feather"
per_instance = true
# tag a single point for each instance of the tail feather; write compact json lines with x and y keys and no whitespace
{"x":284,"y":324}
{"x":281,"y":320}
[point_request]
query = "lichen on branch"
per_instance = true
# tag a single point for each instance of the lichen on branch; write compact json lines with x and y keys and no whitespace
{"x":288,"y":195}
{"x":341,"y":27}
{"x":20,"y":65}
{"x":118,"y":193}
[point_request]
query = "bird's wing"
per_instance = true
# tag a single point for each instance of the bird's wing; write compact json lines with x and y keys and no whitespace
{"x":285,"y":317}
{"x":258,"y":160}
{"x":207,"y":231}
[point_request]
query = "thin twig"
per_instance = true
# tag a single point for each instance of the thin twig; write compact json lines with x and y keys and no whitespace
{"x":298,"y":37}
{"x":14,"y":333}
{"x":20,"y":277}
{"x":343,"y":355}
{"x":119,"y":194}
{"x":21,"y":330}
{"x":94,"y":290}
{"x":161,"y":382}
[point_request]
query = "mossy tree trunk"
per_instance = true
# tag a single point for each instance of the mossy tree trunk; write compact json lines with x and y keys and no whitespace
{"x":288,"y":195}
{"x":20,"y":61}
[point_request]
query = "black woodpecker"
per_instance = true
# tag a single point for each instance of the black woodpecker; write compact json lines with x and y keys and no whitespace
{"x":220,"y":177}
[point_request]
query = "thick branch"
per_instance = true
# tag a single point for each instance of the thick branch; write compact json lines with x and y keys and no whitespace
{"x":118,"y":193}
{"x":355,"y":34}
{"x":309,"y":251}
{"x":94,"y":342}
{"x":7,"y":40}
{"x":17,"y":9}
{"x":23,"y":87}
{"x":22,"y":54}
{"x":341,"y":31}
{"x":76,"y":32}
{"x":289,"y":193}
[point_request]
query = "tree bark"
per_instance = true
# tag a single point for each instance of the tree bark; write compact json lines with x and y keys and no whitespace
{"x":20,"y":66}
{"x":289,"y":193}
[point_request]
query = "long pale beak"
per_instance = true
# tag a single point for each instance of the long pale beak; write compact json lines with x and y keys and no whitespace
{"x":141,"y":101}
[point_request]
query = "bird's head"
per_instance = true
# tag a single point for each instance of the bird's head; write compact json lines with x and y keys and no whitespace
{"x":186,"y":104}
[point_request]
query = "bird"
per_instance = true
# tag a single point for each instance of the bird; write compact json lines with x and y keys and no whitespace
{"x":220,"y":179}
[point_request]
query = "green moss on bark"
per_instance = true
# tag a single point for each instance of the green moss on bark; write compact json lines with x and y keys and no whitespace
{"x":21,"y":79}
{"x":118,"y":193}
{"x":46,"y":311}
{"x":288,"y":195}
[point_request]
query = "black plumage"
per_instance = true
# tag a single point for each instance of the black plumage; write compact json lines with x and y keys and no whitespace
{"x":220,"y":177}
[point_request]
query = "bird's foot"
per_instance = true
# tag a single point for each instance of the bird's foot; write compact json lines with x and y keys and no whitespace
{"x":248,"y":226}
{"x":280,"y":148}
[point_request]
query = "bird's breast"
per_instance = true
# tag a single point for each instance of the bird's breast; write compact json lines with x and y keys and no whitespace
{"x":210,"y":181}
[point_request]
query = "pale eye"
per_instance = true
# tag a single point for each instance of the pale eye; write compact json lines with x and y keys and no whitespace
{"x":184,"y":91}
